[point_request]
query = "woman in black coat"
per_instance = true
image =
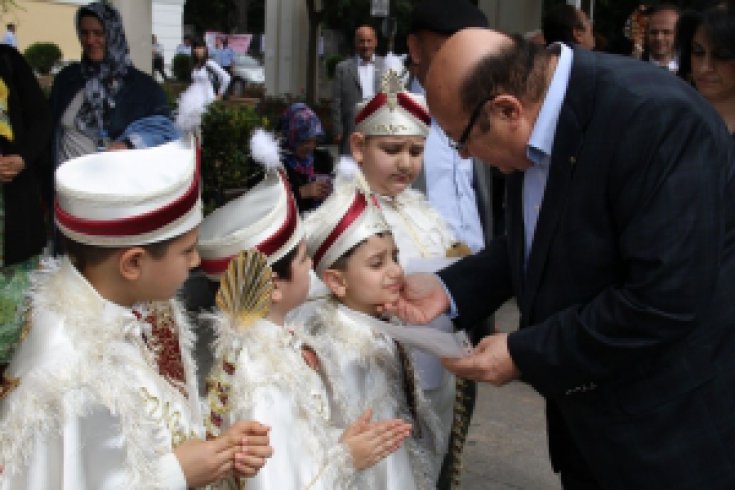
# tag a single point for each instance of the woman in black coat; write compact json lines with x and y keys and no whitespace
{"x":25,"y":165}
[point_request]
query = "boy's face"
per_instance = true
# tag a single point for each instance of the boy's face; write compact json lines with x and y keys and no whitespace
{"x":372,"y":276}
{"x":389,"y":163}
{"x":161,"y":278}
{"x":296,"y":289}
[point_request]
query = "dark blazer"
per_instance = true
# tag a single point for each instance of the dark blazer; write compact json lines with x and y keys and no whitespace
{"x":347,"y":93}
{"x":627,"y":311}
{"x":28,"y":111}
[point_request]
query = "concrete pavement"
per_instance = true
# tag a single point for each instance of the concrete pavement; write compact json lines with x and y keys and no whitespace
{"x":506,"y":445}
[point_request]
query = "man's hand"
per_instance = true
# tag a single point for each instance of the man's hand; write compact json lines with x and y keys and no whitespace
{"x":10,"y":167}
{"x":490,"y":362}
{"x":423,"y":298}
{"x":252,"y":446}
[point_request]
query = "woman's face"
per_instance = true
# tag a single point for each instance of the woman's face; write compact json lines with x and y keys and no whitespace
{"x":306,"y":148}
{"x":200,"y":52}
{"x":713,"y":72}
{"x":92,"y":38}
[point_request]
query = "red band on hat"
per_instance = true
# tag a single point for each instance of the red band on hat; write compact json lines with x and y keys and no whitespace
{"x":268,"y":246}
{"x":284,"y":233}
{"x":371,"y":107}
{"x":132,"y":225}
{"x":414,"y":108}
{"x":215,"y":267}
{"x":358,"y":206}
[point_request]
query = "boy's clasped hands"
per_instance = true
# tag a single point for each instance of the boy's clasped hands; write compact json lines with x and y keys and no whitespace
{"x":241,"y":451}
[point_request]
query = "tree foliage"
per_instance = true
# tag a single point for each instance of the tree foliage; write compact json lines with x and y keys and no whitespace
{"x":347,"y":15}
{"x":223,"y":15}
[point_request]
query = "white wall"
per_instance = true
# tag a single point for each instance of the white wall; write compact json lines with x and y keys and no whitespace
{"x":513,"y":15}
{"x":137,"y":20}
{"x":286,"y":45}
{"x":168,"y":19}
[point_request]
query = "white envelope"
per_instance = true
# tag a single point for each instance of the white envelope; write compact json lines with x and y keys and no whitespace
{"x":441,"y":344}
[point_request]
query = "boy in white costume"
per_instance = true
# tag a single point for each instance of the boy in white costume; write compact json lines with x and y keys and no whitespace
{"x":254,"y":244}
{"x":102,"y":394}
{"x":354,"y":254}
{"x":388,"y":145}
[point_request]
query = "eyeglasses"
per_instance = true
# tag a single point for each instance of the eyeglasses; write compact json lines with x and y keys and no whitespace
{"x":460,"y":144}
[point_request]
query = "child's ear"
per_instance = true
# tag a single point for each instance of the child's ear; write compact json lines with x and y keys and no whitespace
{"x":130,"y":263}
{"x":277,"y":294}
{"x":335,"y":281}
{"x":357,"y":146}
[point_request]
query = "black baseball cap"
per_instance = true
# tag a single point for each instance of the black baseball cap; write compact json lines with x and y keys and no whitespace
{"x":446,"y":17}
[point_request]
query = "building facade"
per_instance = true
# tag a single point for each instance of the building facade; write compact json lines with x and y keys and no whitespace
{"x":53,"y":21}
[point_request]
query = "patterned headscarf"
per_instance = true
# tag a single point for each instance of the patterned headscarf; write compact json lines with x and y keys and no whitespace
{"x":297,"y":124}
{"x":104,"y":79}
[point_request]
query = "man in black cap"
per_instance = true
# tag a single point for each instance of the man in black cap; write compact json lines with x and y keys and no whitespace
{"x":449,"y":182}
{"x":569,"y":25}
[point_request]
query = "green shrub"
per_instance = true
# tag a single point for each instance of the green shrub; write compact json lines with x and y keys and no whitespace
{"x":43,"y":56}
{"x":271,"y":108}
{"x":173,"y":89}
{"x":226,"y":165}
{"x":331,"y":65}
{"x":181,"y":67}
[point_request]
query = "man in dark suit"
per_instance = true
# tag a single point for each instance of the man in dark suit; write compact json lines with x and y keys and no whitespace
{"x":620,"y":252}
{"x":356,"y":79}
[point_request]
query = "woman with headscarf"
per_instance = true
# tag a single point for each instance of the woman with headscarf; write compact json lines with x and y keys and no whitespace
{"x":104,"y":102}
{"x":308,"y":169}
{"x":25,"y":133}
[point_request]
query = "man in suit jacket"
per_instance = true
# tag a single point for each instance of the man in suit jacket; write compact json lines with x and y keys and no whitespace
{"x":356,"y":79}
{"x":454,"y":186}
{"x":620,"y":252}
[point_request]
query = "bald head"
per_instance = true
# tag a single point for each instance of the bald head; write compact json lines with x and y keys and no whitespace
{"x":365,"y":42}
{"x":486,"y":86}
{"x":453,"y":62}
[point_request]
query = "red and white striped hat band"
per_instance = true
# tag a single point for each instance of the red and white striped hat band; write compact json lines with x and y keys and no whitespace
{"x":397,"y":114}
{"x":265,"y":218}
{"x":129,"y":198}
{"x":345,"y":219}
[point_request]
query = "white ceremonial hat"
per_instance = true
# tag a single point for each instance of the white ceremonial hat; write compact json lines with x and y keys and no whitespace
{"x":348,"y":216}
{"x":265,"y":218}
{"x":393,"y":111}
{"x":129,"y":197}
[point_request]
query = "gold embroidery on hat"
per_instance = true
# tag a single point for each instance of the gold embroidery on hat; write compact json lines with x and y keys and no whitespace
{"x":390,"y":128}
{"x":391,"y":85}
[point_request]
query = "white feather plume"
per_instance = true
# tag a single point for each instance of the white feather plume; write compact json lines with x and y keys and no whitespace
{"x":192,"y":106}
{"x":264,"y":149}
{"x":346,"y":168}
{"x":349,"y":176}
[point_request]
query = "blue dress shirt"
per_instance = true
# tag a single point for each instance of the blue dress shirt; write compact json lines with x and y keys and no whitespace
{"x":540,"y":144}
{"x":538,"y":151}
